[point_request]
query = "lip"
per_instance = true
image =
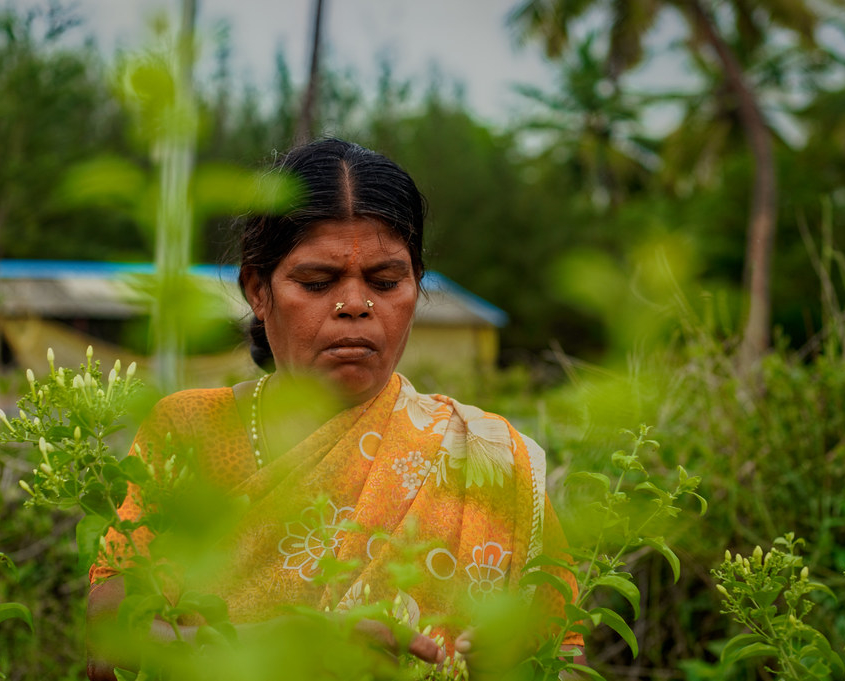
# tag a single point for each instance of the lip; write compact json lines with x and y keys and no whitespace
{"x":351,"y":349}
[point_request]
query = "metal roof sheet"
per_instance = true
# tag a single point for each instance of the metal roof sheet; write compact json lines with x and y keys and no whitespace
{"x":72,"y":289}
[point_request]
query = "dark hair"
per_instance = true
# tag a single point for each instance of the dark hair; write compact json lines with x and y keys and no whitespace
{"x":338,"y":180}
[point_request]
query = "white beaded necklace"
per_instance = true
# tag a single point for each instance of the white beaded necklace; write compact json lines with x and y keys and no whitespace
{"x":256,"y":415}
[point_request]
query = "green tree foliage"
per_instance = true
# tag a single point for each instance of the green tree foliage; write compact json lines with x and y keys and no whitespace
{"x":55,"y":110}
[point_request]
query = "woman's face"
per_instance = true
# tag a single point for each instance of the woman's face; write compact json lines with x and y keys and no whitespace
{"x":356,"y":345}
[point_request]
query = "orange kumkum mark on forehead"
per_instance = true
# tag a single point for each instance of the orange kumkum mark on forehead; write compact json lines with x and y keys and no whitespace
{"x":356,"y":251}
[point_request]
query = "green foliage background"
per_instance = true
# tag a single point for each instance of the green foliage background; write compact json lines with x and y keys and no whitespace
{"x":620,"y":278}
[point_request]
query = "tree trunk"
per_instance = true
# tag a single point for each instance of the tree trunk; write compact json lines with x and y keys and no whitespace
{"x":763,"y":217}
{"x":305,"y":124}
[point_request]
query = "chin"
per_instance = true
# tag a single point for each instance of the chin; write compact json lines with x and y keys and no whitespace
{"x":357,"y":386}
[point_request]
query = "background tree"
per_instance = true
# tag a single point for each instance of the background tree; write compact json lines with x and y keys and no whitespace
{"x":549,"y":21}
{"x":55,"y":110}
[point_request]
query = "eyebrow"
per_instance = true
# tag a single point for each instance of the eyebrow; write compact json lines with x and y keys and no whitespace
{"x":306,"y":267}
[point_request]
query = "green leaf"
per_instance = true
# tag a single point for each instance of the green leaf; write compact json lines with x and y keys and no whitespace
{"x":592,"y":673}
{"x":744,"y":646}
{"x":615,"y":622}
{"x":659,"y":545}
{"x":543,"y":559}
{"x":540,"y":577}
{"x":135,"y":470}
{"x":16,"y":611}
{"x":589,"y":478}
{"x":94,"y":500}
{"x":8,"y":566}
{"x":125,"y":675}
{"x":211,"y":607}
{"x":104,"y":181}
{"x":703,"y":502}
{"x":227,"y":189}
{"x":88,"y":533}
{"x":765,"y":597}
{"x":576,"y":614}
{"x":138,"y":611}
{"x":824,"y":588}
{"x":624,"y":587}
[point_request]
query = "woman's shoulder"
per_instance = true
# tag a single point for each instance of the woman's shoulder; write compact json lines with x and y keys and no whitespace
{"x":476,"y":422}
{"x":186,"y":409}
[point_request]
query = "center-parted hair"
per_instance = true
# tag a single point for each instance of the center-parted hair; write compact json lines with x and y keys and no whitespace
{"x":337,"y":180}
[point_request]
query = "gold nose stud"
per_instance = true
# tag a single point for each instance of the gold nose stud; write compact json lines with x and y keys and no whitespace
{"x":370,"y":303}
{"x":338,"y":307}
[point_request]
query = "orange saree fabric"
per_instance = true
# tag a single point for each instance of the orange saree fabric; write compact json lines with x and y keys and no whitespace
{"x":456,"y":488}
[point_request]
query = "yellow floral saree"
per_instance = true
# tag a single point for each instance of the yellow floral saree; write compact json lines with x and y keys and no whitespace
{"x":457,"y":489}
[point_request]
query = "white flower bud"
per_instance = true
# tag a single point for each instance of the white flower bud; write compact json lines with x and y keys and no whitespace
{"x":758,"y":554}
{"x":805,"y":573}
{"x":117,"y":366}
{"x":89,"y":353}
{"x":47,"y":468}
{"x":130,"y":371}
{"x":78,"y":383}
{"x":87,"y":380}
{"x":721,"y":589}
{"x":77,"y":433}
{"x":50,"y":356}
{"x":5,"y":420}
{"x":42,"y":445}
{"x":112,"y":376}
{"x":728,"y":556}
{"x":60,"y":378}
{"x":30,"y":376}
{"x":25,"y":487}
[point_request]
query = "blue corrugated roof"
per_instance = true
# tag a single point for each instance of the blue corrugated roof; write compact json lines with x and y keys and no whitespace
{"x":67,"y":269}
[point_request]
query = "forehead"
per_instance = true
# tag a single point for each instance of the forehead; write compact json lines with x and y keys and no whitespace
{"x":345,"y":239}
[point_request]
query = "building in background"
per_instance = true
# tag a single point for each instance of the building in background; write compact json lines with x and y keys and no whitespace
{"x":68,"y":305}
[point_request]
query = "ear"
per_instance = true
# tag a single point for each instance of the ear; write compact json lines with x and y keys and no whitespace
{"x":256,"y":294}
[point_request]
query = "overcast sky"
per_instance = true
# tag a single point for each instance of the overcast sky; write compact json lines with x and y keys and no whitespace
{"x":467,"y":39}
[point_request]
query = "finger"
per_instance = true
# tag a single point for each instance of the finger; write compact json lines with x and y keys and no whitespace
{"x":426,"y":649}
{"x":378,"y":632}
{"x":463,"y":644}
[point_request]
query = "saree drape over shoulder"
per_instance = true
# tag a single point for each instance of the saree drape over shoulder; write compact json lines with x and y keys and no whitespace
{"x":403,"y":468}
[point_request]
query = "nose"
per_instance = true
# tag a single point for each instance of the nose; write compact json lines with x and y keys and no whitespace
{"x":353,"y":302}
{"x":361,"y":309}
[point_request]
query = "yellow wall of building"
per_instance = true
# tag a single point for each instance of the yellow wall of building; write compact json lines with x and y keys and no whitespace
{"x":462,"y":347}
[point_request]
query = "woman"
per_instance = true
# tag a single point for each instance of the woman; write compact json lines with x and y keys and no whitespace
{"x":333,"y":285}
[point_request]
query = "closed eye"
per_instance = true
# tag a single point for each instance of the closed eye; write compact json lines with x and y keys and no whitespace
{"x":314,"y":286}
{"x":384,"y":284}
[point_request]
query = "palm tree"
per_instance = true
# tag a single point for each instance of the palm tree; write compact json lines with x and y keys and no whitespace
{"x":548,"y":21}
{"x":588,"y":114}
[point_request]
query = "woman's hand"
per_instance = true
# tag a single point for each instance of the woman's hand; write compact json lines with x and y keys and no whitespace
{"x":104,"y":600}
{"x":400,"y":639}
